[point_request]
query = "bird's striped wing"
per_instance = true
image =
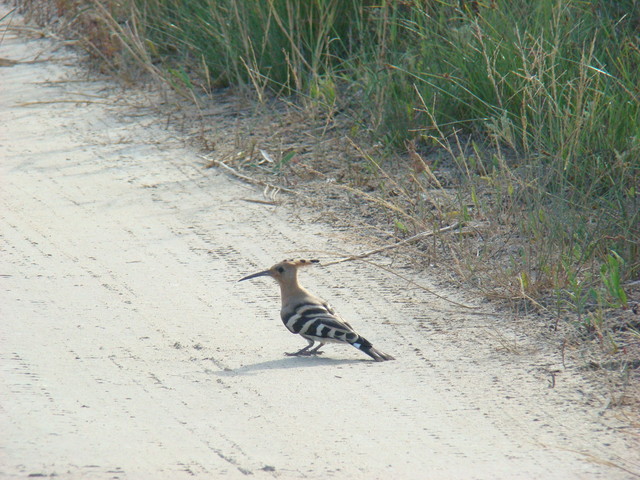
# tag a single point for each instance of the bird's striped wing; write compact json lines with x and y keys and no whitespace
{"x":318,"y":321}
{"x":337,"y":317}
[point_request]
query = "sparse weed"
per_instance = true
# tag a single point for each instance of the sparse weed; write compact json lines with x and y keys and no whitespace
{"x":611,"y":275}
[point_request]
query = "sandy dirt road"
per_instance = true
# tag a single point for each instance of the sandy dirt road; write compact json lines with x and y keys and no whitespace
{"x":129,"y":351}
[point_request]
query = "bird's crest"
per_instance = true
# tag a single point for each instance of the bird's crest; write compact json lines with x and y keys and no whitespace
{"x":300,"y":262}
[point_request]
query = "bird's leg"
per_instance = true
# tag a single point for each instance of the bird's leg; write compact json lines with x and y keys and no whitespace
{"x":316,"y":351}
{"x":303,"y":351}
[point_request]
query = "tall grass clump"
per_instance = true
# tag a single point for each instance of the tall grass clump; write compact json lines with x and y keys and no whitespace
{"x":281,"y":45}
{"x":554,"y":84}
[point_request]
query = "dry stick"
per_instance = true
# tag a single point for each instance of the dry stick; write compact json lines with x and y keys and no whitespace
{"x":88,"y":98}
{"x":235,"y":173}
{"x":388,"y":270}
{"x":406,"y":241}
{"x":52,"y":102}
{"x":7,"y":62}
{"x":261,"y":202}
{"x":401,"y":243}
{"x":373,"y":199}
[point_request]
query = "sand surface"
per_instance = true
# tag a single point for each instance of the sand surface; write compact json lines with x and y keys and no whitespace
{"x":128,"y":349}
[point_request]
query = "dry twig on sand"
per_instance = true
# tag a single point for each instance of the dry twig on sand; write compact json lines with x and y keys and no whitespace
{"x":406,"y":241}
{"x":235,"y":173}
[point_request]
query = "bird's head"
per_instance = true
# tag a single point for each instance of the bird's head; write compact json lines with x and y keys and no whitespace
{"x":284,"y":272}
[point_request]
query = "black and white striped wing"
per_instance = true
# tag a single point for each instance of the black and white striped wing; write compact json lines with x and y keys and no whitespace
{"x":336,"y":316}
{"x":318,"y":322}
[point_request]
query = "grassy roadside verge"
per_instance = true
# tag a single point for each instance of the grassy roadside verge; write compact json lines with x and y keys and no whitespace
{"x":519,"y":119}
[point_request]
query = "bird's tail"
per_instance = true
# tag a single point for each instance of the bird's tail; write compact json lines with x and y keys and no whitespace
{"x":364,"y":345}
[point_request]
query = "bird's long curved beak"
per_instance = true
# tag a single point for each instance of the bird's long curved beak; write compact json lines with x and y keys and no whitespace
{"x":259,"y":274}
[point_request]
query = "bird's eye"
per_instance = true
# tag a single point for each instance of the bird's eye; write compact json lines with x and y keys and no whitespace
{"x":280,"y":269}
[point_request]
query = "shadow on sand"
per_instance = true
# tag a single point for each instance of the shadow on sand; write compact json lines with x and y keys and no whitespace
{"x":288,"y":362}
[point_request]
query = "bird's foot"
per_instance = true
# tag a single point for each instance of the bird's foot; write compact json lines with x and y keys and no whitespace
{"x":305,"y":353}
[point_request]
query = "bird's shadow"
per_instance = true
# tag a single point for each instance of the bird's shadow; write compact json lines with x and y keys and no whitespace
{"x":288,"y":362}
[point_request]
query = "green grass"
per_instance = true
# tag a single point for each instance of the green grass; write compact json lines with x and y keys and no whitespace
{"x":536,"y":104}
{"x":286,"y":45}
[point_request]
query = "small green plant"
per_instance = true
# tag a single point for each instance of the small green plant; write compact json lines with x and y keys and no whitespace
{"x":286,"y":158}
{"x":576,"y":295}
{"x":179,"y":78}
{"x":611,"y":276}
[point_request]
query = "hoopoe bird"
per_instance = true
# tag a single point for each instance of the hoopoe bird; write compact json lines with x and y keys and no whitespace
{"x":311,"y":317}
